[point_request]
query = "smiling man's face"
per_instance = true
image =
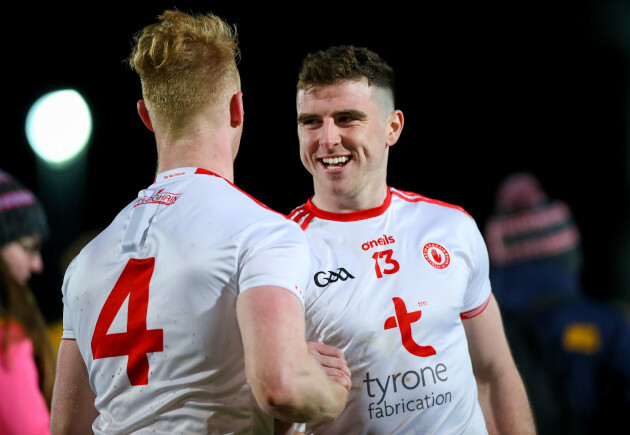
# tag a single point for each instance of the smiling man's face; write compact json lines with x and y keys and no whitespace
{"x":345,"y":131}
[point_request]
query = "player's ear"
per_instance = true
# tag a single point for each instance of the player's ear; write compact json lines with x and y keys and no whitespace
{"x":144,"y":114}
{"x":395,"y":122}
{"x":237,"y":113}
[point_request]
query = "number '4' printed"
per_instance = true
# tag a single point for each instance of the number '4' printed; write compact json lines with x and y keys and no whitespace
{"x":388,"y":260}
{"x":137,"y":341}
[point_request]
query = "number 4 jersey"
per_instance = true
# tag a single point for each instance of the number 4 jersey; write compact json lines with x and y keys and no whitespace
{"x":151,"y":302}
{"x":390,"y":287}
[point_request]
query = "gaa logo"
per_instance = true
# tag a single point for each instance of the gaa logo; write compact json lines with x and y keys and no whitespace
{"x":436,"y":255}
{"x":322,"y":279}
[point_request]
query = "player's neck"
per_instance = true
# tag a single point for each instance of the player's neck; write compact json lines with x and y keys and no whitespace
{"x":224,"y":170}
{"x":203,"y":149}
{"x":347,"y":202}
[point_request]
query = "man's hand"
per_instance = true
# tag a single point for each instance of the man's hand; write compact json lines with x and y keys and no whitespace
{"x":333,"y":362}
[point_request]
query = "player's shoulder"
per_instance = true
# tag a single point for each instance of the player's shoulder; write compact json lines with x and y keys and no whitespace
{"x":260,"y":207}
{"x":243,"y":204}
{"x":407,"y":198}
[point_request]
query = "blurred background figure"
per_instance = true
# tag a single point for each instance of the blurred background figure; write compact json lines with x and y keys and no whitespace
{"x":572,"y":351}
{"x":27,"y":361}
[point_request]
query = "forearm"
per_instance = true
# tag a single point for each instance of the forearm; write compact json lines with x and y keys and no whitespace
{"x":501,"y":391}
{"x":287,"y":381}
{"x":73,"y":400}
{"x":505,"y":406}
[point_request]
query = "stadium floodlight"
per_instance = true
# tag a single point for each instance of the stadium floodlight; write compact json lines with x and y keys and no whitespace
{"x":58,"y":127}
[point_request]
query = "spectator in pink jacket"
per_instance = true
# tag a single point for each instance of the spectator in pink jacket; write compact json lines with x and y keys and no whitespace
{"x":27,"y":362}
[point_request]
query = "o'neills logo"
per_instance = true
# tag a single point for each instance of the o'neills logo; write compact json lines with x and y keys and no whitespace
{"x":382,"y":241}
{"x":164,"y":198}
{"x":436,"y":255}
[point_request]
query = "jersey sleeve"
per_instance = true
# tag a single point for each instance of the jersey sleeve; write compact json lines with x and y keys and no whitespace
{"x":274,"y":254}
{"x":478,"y":292}
{"x":68,"y":329}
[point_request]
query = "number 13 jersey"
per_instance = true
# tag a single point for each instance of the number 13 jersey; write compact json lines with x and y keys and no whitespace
{"x":151,"y":302}
{"x":390,"y":287}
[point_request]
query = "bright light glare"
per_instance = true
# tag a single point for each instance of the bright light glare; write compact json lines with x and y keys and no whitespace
{"x":58,"y":126}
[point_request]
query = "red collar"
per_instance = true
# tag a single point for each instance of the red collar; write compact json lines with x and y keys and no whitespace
{"x":351,"y":216}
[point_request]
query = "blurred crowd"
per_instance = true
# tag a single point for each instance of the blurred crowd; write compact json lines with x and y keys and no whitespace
{"x":572,"y":350}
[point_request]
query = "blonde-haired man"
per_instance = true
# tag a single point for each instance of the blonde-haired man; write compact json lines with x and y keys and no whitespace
{"x":186,"y":314}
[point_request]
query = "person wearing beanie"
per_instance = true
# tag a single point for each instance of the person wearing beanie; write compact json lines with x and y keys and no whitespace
{"x":23,"y":227}
{"x":27,"y":364}
{"x":572,"y":351}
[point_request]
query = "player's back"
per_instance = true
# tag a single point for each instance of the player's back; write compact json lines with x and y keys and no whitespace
{"x":151,"y":302}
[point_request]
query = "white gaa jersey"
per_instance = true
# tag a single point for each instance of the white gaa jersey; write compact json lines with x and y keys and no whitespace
{"x":390,"y":287}
{"x":151,"y":302}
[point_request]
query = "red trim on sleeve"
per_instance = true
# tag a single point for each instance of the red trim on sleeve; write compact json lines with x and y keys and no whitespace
{"x":476,"y":311}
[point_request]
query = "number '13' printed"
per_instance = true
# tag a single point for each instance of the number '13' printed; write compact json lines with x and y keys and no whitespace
{"x":388,"y":260}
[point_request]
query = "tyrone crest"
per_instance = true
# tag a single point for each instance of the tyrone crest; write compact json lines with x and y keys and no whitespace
{"x":436,"y":255}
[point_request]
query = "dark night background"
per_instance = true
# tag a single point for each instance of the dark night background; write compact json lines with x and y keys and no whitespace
{"x":486,"y":89}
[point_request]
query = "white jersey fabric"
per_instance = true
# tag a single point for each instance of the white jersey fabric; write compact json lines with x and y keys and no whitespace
{"x":151,"y":302}
{"x":390,"y":287}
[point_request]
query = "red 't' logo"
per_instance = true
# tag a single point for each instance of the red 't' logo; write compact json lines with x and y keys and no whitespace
{"x":403,"y":321}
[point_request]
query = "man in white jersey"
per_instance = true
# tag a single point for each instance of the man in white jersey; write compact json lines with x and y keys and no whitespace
{"x":186,"y":314}
{"x":399,"y":282}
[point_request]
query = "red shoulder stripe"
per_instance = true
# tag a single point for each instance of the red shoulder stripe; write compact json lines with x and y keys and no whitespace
{"x":414,"y":197}
{"x":297,"y":213}
{"x":302,"y":216}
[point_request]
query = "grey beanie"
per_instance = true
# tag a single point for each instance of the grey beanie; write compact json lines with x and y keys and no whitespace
{"x":21,"y":214}
{"x":528,"y":225}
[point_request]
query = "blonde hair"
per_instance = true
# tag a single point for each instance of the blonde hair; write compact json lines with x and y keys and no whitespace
{"x":185,"y":63}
